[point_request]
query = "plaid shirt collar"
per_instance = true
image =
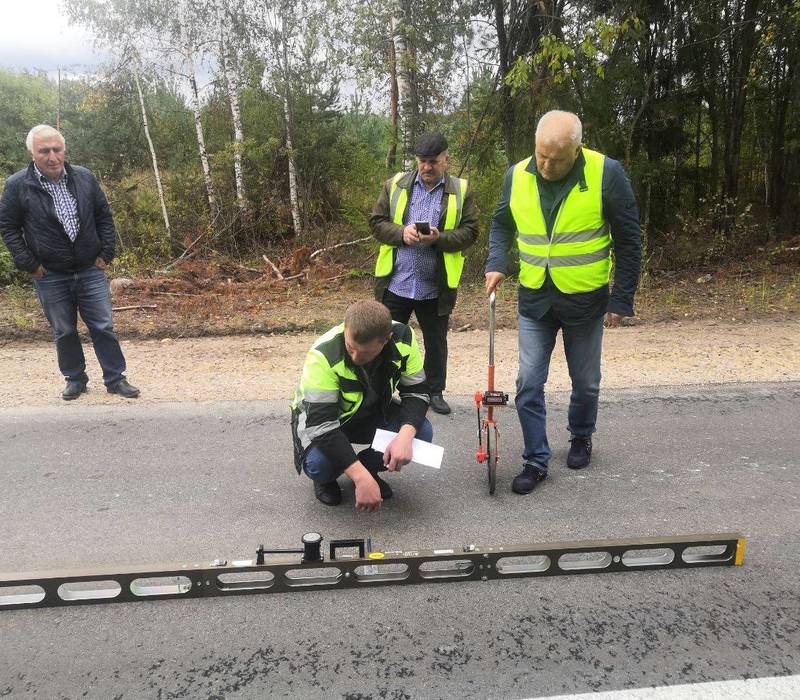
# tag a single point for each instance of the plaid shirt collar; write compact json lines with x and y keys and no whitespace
{"x":45,"y":181}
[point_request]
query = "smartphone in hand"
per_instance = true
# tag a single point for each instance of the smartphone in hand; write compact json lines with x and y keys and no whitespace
{"x":423,"y":228}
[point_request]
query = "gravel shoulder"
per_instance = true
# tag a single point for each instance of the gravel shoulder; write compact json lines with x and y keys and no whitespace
{"x":267,"y":367}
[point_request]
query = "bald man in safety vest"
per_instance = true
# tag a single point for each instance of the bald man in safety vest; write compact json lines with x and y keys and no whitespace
{"x":567,"y":209}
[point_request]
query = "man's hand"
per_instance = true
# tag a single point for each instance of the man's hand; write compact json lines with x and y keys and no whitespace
{"x":100,"y":263}
{"x":368,"y":493}
{"x":398,"y":452}
{"x":613,"y":320}
{"x":431,"y":238}
{"x":411,"y":235}
{"x":38,"y":273}
{"x":493,"y":280}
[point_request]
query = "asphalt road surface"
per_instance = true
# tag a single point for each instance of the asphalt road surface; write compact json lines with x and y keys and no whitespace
{"x":90,"y":486}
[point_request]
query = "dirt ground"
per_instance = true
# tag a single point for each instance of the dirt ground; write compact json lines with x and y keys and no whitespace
{"x":254,"y":367}
{"x":220,"y":331}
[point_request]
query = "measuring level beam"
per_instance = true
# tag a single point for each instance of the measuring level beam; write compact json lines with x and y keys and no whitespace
{"x":286,"y":573}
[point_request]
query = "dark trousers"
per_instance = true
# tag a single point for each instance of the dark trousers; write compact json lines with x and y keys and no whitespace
{"x":319,"y":468}
{"x":434,"y":334}
{"x":65,"y":294}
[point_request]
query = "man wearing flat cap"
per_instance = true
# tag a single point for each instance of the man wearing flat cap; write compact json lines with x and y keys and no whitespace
{"x":424,"y":220}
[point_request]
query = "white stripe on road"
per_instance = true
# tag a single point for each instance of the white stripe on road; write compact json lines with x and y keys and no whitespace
{"x":779,"y":688}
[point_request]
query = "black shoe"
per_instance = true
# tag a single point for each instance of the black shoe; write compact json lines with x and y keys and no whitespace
{"x":439,"y":405}
{"x":73,"y":390}
{"x":123,"y":389}
{"x":372,"y":460}
{"x":580,"y":453}
{"x":528,"y":479}
{"x":330,"y":494}
{"x":386,"y":490}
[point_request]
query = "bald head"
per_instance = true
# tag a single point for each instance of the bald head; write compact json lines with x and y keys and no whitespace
{"x":558,"y":143}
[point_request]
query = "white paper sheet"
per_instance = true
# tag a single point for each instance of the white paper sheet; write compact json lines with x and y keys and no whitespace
{"x":425,"y":453}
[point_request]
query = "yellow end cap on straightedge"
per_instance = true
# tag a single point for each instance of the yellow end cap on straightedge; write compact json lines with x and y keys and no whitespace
{"x":739,"y":552}
{"x":376,"y":555}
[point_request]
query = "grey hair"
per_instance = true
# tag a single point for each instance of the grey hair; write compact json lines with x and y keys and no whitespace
{"x":38,"y":129}
{"x":575,"y":134}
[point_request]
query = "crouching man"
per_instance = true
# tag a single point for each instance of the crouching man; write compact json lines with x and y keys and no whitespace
{"x":346,"y":392}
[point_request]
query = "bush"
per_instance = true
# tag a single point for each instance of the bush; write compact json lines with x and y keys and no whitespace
{"x":8,"y":271}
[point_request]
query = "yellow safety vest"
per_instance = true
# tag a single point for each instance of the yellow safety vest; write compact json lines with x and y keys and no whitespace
{"x":398,"y":201}
{"x":578,"y":250}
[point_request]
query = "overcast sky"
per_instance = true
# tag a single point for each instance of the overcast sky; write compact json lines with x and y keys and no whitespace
{"x":35,"y":35}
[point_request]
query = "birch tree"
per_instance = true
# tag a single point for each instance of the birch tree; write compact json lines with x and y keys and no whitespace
{"x":229,"y":62}
{"x":116,"y":21}
{"x":188,"y":42}
{"x":136,"y":70}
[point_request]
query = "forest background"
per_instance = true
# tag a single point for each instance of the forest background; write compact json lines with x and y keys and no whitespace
{"x":255,"y":134}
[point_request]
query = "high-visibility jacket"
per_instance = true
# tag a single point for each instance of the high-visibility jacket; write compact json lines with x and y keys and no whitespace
{"x":398,"y":201}
{"x":577,"y":252}
{"x":332,"y":388}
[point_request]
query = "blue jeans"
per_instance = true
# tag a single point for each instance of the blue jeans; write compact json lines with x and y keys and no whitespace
{"x":319,"y":468}
{"x":582,"y":347}
{"x":62,"y":296}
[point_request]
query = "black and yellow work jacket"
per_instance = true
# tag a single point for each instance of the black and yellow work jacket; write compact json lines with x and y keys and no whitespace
{"x":333,"y":391}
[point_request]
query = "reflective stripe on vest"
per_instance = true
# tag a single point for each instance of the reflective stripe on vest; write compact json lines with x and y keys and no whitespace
{"x":578,"y":251}
{"x":398,"y":201}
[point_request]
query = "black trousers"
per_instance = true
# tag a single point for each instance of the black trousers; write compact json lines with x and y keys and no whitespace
{"x":434,"y":333}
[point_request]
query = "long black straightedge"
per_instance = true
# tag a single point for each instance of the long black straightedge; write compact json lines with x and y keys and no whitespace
{"x":353,"y":564}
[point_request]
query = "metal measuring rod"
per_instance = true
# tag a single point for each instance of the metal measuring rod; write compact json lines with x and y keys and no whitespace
{"x":488,"y":434}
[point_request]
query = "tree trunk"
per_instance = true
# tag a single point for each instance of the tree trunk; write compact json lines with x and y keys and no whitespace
{"x":156,"y":171}
{"x":406,"y":87}
{"x":232,"y":86}
{"x":288,"y":115}
{"x":741,"y":58}
{"x":505,"y":104}
{"x":391,"y":153}
{"x":194,"y":101}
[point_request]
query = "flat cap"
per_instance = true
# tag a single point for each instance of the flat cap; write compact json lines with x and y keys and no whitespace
{"x":430,"y":145}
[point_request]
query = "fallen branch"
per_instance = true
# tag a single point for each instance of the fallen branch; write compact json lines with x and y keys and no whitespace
{"x":272,"y":265}
{"x":338,"y":245}
{"x":177,"y":294}
{"x":293,"y":277}
{"x":128,"y":308}
{"x":249,"y":269}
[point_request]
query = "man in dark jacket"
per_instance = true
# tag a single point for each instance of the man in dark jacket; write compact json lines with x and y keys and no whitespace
{"x":425,"y":220}
{"x":55,"y":220}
